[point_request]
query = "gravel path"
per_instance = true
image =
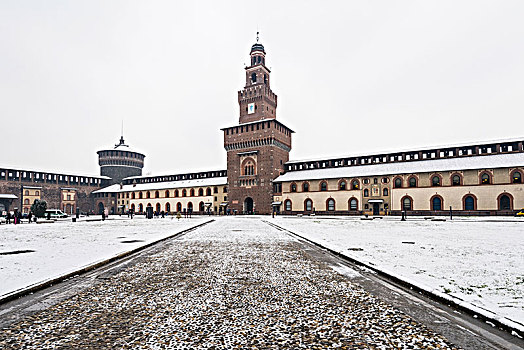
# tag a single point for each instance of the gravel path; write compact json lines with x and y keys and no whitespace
{"x":236,"y":283}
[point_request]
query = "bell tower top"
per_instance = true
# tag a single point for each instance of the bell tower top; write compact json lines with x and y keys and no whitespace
{"x":256,"y":100}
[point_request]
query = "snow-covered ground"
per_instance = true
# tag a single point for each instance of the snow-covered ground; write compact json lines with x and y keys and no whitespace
{"x":480,"y":260}
{"x":62,"y":247}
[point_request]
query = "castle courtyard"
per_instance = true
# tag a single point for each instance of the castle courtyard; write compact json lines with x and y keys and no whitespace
{"x":232,"y":282}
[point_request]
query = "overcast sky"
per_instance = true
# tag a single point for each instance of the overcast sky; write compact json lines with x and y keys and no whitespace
{"x":351,"y":77}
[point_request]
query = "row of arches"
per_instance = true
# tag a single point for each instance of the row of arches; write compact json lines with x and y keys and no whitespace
{"x":456,"y":179}
{"x":469,"y":202}
{"x":176,"y":193}
{"x":168,"y":208}
{"x":330,"y":205}
{"x":323,"y":186}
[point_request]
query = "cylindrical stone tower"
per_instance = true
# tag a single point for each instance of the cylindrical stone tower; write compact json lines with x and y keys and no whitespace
{"x":120,"y":162}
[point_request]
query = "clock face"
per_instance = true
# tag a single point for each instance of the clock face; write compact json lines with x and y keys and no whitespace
{"x":251,"y":108}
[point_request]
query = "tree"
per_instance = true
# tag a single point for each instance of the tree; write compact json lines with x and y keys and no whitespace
{"x":38,"y":208}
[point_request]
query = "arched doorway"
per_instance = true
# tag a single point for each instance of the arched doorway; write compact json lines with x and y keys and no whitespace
{"x":158,"y":208}
{"x":248,"y":205}
{"x":179,"y":207}
{"x":69,"y":210}
{"x":436,"y":203}
{"x":505,"y":202}
{"x":100,"y":208}
{"x":190,"y":207}
{"x":469,"y":203}
{"x":201,"y":207}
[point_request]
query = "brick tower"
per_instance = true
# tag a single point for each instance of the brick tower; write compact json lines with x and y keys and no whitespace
{"x":259,"y":145}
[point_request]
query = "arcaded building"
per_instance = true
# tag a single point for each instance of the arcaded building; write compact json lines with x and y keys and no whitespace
{"x":484,"y":178}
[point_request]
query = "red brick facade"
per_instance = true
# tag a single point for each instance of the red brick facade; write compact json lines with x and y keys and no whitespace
{"x":259,"y":146}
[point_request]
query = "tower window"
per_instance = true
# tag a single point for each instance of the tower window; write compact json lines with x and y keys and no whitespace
{"x":259,"y":59}
{"x":254,"y":78}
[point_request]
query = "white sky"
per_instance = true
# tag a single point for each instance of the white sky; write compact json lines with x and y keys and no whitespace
{"x":351,"y":76}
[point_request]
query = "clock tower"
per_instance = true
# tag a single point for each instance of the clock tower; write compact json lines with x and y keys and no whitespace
{"x":259,"y":145}
{"x":256,"y":100}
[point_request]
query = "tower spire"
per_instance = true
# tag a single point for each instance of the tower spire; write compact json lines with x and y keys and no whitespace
{"x":257,"y":35}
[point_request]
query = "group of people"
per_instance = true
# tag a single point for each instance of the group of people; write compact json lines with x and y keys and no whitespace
{"x":16,"y":217}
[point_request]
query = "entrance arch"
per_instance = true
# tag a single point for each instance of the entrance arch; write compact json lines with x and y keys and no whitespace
{"x":248,"y":205}
{"x":100,"y":208}
{"x":505,"y":201}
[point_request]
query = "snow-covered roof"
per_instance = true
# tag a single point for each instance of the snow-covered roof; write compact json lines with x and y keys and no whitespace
{"x":408,"y":150}
{"x":166,"y":174}
{"x":420,"y":166}
{"x":121,"y":146}
{"x":213,"y":181}
{"x":8,"y":196}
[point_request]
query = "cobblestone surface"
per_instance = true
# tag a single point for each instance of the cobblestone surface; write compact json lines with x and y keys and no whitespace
{"x":236,"y":283}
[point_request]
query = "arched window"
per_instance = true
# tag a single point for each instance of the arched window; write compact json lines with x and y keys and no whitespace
{"x":469,"y":202}
{"x":140,"y":208}
{"x":26,"y":201}
{"x":366,"y":192}
{"x":323,"y":186}
{"x":412,"y":181}
{"x":293,"y":187}
{"x":176,"y":193}
{"x":37,"y":193}
{"x":157,"y":194}
{"x":192,"y":192}
{"x":148,"y":195}
{"x":385,"y":192}
{"x":407,"y":203}
{"x":342,"y":185}
{"x":132,"y":195}
{"x":254,"y":78}
{"x":208,"y":191}
{"x":167,"y":193}
{"x":26,"y":193}
{"x":308,"y":205}
{"x":132,"y":207}
{"x":158,"y":208}
{"x":184,"y":193}
{"x":398,"y":182}
{"x":179,"y":207}
{"x":436,"y":203}
{"x":456,"y":180}
{"x":305,"y":187}
{"x":330,"y":204}
{"x":140,"y":195}
{"x":353,"y":204}
{"x":249,"y":167}
{"x":516,"y":178}
{"x":200,"y":192}
{"x":485,"y":179}
{"x":287,"y":205}
{"x":435,"y":180}
{"x":355,"y":185}
{"x":168,"y":208}
{"x":215,"y":189}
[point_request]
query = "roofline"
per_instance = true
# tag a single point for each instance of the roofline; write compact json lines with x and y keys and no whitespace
{"x":457,"y":145}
